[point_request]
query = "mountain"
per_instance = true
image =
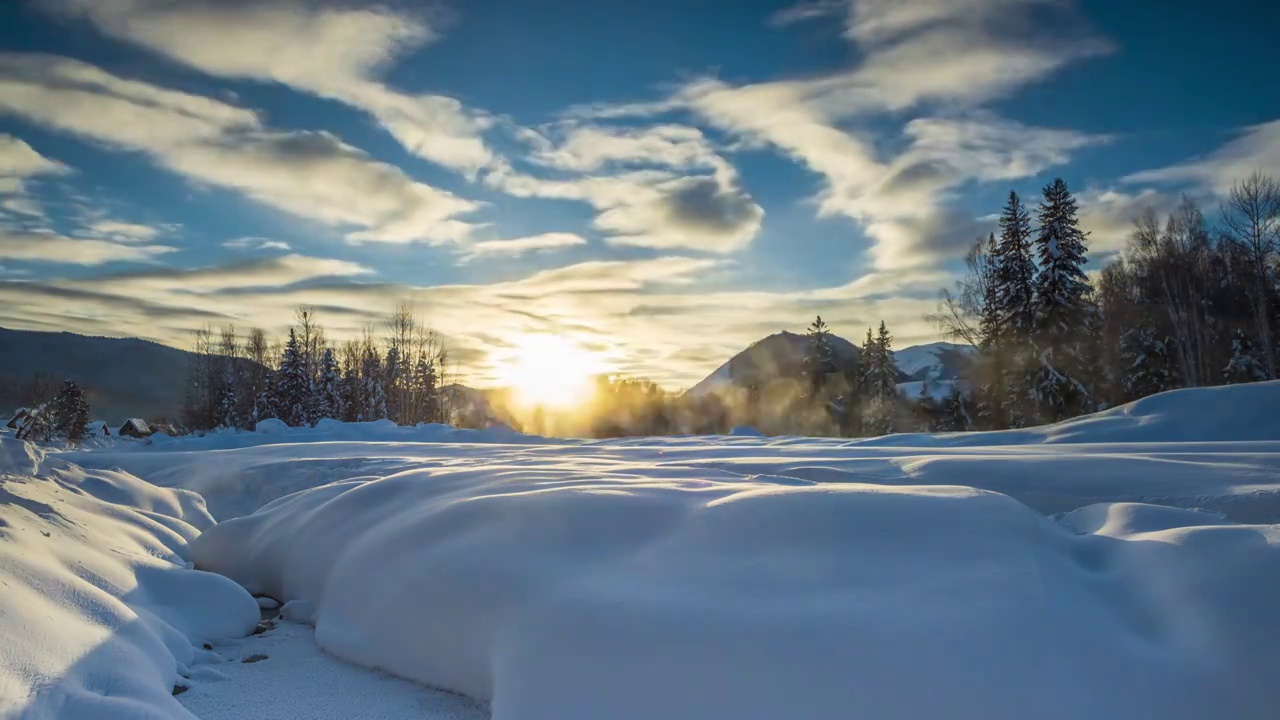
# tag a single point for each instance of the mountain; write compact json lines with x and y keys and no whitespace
{"x":123,"y":377}
{"x":935,"y":361}
{"x":781,"y":355}
{"x":777,"y":356}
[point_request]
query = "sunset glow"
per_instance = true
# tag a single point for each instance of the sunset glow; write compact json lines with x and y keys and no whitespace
{"x":550,"y":371}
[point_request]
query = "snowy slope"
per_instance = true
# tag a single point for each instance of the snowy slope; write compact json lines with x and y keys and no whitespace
{"x":778,"y":355}
{"x":922,"y":362}
{"x":1116,"y":566}
{"x":900,"y":577}
{"x":100,"y":616}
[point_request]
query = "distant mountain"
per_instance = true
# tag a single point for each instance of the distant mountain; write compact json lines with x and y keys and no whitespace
{"x":935,"y":361}
{"x":777,"y":356}
{"x":781,"y":355}
{"x":123,"y":377}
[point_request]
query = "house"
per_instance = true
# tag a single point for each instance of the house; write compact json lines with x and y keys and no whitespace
{"x":97,"y":428}
{"x":135,"y":428}
{"x":165,"y":428}
{"x":19,"y":419}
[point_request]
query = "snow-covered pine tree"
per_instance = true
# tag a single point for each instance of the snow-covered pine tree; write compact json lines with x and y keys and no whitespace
{"x":393,"y":382}
{"x":426,"y":383}
{"x":375,"y":396}
{"x":881,"y":376}
{"x":352,"y":393}
{"x":1247,"y":363}
{"x":292,"y":384}
{"x":819,"y":358}
{"x":1149,"y":368}
{"x":955,"y":412}
{"x":264,"y":405}
{"x":1062,"y":309}
{"x":1013,"y":278}
{"x":326,"y":401}
{"x":69,"y":413}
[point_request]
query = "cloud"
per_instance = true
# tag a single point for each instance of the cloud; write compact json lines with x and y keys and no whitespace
{"x":661,"y":187}
{"x":1108,"y":216}
{"x":123,"y":231}
{"x":19,"y":161}
{"x":805,"y":11}
{"x":256,"y":243}
{"x":520,"y":246}
{"x":333,"y":52}
{"x":1255,"y":148}
{"x":50,"y":248}
{"x":313,"y":175}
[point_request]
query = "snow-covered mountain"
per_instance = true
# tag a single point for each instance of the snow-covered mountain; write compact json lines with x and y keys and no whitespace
{"x":934,"y":361}
{"x":778,"y":355}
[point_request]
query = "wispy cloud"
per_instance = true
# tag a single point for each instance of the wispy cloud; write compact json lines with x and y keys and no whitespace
{"x":57,"y":249}
{"x":1255,"y":148}
{"x":524,"y":245}
{"x":812,"y":10}
{"x":313,"y":175}
{"x":334,"y":52}
{"x":256,"y":243}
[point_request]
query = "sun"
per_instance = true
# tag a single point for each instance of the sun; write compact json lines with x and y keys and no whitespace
{"x":549,"y":371}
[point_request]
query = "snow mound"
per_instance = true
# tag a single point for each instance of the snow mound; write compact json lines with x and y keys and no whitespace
{"x":99,"y":611}
{"x":271,"y":426}
{"x":630,"y":590}
{"x":18,"y":457}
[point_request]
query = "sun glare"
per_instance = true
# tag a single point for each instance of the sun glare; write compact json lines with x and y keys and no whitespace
{"x":549,"y":371}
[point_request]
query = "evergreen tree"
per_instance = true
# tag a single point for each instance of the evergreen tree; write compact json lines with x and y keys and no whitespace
{"x":264,"y":405}
{"x":819,"y":358}
{"x":1062,"y":309}
{"x":352,"y":394}
{"x":375,"y":396}
{"x":881,"y":389}
{"x":955,"y":412}
{"x":1247,"y":363}
{"x":1149,"y":369}
{"x":70,"y":413}
{"x":425,"y":382}
{"x":1013,"y":278}
{"x":293,"y":385}
{"x":326,"y":401}
{"x":393,"y":384}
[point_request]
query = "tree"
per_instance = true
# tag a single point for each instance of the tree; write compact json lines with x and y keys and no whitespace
{"x":375,"y":396}
{"x":1014,"y":297}
{"x":1062,"y":308}
{"x":1247,"y":361}
{"x":819,"y":358}
{"x":881,"y":377}
{"x":70,"y":413}
{"x":1149,"y":369}
{"x":326,"y":401}
{"x":1251,"y":223}
{"x":955,"y":412}
{"x":292,"y":384}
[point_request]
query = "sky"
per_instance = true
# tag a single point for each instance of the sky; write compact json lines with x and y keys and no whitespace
{"x":658,"y":184}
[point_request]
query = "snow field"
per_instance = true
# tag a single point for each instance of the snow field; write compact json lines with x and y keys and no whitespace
{"x":100,"y":614}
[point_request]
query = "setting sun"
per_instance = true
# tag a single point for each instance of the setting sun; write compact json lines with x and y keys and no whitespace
{"x":549,"y":371}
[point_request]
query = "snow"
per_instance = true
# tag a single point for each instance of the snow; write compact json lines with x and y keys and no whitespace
{"x":99,"y":613}
{"x":938,"y":389}
{"x":1119,"y":565}
{"x":298,"y":680}
{"x":913,"y":359}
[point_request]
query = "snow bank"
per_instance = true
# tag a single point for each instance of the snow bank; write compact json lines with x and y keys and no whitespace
{"x":635,"y":591}
{"x":99,"y":612}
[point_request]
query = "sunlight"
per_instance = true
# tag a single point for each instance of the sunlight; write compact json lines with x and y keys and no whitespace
{"x":549,"y":371}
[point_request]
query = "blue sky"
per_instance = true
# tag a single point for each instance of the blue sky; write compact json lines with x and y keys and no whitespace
{"x":661,"y":183}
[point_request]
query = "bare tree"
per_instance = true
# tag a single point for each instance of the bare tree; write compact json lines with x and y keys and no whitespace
{"x":1251,"y":223}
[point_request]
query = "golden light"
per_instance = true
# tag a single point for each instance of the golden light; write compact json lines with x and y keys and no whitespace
{"x":549,"y":370}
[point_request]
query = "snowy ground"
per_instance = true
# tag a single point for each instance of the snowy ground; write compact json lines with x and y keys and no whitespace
{"x":1122,"y":565}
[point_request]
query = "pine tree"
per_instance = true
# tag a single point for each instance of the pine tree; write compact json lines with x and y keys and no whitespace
{"x":1149,"y":369}
{"x":1014,"y":296}
{"x":425,"y":382}
{"x":326,"y":400}
{"x":392,"y":385}
{"x":1062,"y":309}
{"x":352,"y":393}
{"x":374,"y":393}
{"x":819,"y":358}
{"x":293,"y":385}
{"x":955,"y":412}
{"x":264,"y":405}
{"x":1247,"y":363}
{"x":70,"y":413}
{"x":881,"y":376}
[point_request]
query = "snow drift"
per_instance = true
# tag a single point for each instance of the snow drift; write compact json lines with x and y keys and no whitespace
{"x":755,"y":578}
{"x":100,"y":615}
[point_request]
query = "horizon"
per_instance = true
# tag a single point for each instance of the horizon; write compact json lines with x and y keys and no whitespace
{"x":717,"y":177}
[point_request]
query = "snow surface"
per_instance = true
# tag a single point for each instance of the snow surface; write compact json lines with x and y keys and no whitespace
{"x":100,"y":614}
{"x":918,"y":357}
{"x":1120,"y":565}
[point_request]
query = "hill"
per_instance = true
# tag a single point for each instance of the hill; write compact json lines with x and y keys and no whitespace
{"x":123,"y":377}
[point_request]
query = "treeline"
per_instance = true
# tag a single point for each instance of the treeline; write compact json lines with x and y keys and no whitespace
{"x":1188,"y":303}
{"x":236,"y":382}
